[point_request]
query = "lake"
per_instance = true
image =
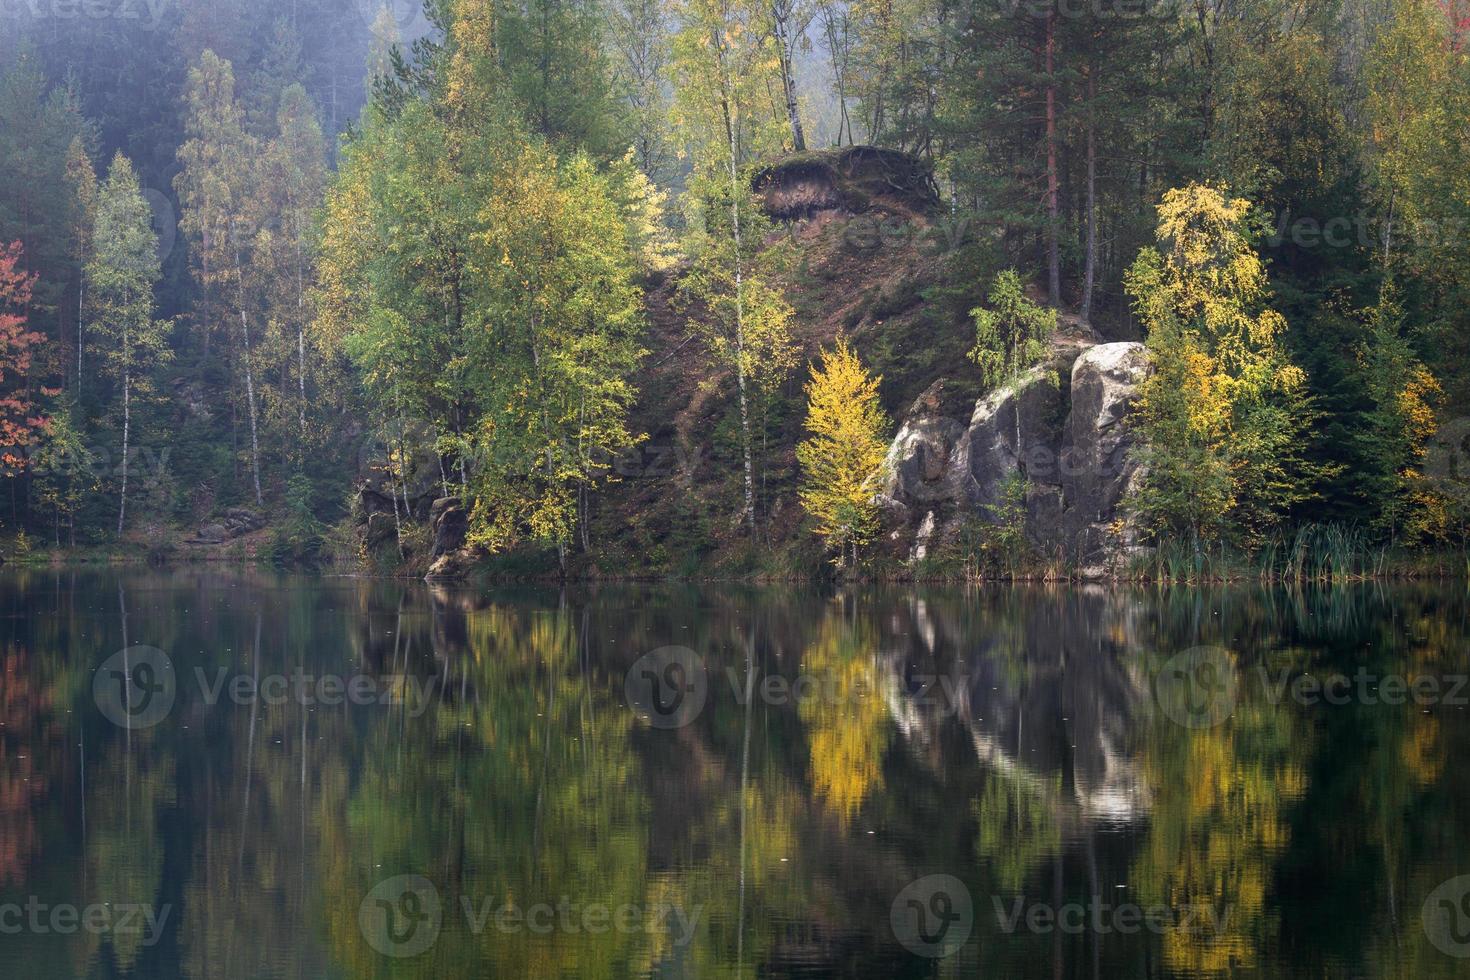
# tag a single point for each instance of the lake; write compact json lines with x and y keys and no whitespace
{"x":209,"y":773}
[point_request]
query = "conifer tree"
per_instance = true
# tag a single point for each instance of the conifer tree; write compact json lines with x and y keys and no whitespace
{"x":843,"y":456}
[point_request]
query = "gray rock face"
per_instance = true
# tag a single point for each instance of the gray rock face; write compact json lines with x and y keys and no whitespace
{"x":236,"y":521}
{"x":1063,"y":425}
{"x":381,"y":529}
{"x":450,"y":524}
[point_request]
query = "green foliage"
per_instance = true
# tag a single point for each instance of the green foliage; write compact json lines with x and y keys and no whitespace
{"x":486,"y":285}
{"x":1012,"y":333}
{"x":1005,"y":537}
{"x":1224,"y":414}
{"x":1397,"y":427}
{"x":120,"y":278}
{"x":300,"y":536}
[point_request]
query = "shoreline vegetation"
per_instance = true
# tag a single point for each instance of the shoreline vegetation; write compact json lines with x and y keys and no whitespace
{"x":740,"y":290}
{"x":1313,"y":555}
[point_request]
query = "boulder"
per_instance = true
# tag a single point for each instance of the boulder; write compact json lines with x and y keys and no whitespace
{"x":919,"y":466}
{"x":212,"y":534}
{"x":454,"y":565}
{"x":450,"y":525}
{"x":1064,"y":425}
{"x":1100,"y":471}
{"x":381,"y":529}
{"x":851,"y":179}
{"x":1013,"y":428}
{"x":1105,"y":382}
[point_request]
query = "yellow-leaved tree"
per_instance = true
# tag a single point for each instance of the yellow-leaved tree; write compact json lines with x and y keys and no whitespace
{"x":842,"y":460}
{"x":1225,"y":415}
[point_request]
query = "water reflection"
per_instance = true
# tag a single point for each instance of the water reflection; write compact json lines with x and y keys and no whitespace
{"x":356,"y":770}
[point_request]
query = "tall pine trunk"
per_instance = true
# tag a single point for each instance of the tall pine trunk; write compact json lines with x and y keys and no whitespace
{"x":122,"y":507}
{"x":1053,"y":253}
{"x":250,"y":401}
{"x":1089,"y":271}
{"x":740,"y":336}
{"x":300,"y":338}
{"x":81,"y":305}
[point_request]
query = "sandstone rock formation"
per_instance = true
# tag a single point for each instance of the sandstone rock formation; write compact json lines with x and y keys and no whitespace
{"x":1063,"y":425}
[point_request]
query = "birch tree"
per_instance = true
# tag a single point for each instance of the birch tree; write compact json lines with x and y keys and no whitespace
{"x":120,"y":279}
{"x":296,"y":163}
{"x":219,"y":198}
{"x":724,"y":61}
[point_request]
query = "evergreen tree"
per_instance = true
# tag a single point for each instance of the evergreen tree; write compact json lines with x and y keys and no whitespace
{"x":1399,"y":424}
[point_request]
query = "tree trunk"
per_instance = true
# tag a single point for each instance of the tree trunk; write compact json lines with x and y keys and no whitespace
{"x":1053,"y":254}
{"x":250,"y":401}
{"x":781,"y":18}
{"x":122,"y":507}
{"x":81,"y":304}
{"x":300,"y":338}
{"x":739,"y":301}
{"x":1089,"y":272}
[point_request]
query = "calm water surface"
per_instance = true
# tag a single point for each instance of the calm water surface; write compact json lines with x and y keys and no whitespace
{"x":247,"y":775}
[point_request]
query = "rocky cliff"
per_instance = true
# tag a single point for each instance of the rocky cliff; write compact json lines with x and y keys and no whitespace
{"x":1064,"y":426}
{"x":871,"y":255}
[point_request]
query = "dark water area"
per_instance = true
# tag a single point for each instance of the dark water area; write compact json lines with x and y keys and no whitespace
{"x":242,"y":774}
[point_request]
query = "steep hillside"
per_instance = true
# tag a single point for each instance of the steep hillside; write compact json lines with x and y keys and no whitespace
{"x":869,"y":256}
{"x":864,"y":251}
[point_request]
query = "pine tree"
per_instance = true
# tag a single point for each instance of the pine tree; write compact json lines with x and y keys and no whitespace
{"x":1403,"y":394}
{"x":295,"y":161}
{"x":83,"y":180}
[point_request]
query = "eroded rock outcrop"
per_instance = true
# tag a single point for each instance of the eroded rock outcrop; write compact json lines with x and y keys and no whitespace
{"x":1063,"y":425}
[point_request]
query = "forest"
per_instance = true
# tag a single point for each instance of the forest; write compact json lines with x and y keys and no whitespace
{"x":569,"y":287}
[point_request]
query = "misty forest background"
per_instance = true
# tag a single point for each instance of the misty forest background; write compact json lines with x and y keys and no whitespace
{"x":252,"y":254}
